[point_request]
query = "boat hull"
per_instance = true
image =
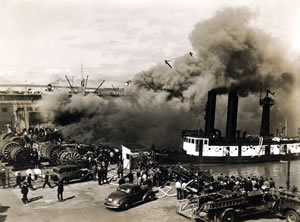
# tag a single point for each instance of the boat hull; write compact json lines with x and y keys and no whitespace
{"x":174,"y":158}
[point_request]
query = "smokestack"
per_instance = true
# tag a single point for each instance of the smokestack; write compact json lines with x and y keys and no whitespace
{"x":210,"y":113}
{"x":266,"y":103}
{"x":232,"y":111}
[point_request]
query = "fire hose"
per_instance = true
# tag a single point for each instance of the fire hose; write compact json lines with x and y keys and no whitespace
{"x":166,"y":193}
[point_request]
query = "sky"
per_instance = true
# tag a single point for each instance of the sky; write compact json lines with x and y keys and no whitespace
{"x":42,"y":41}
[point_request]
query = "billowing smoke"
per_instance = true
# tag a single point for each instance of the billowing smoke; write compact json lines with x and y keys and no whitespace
{"x":229,"y":53}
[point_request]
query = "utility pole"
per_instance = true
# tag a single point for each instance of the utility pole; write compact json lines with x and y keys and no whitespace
{"x":289,"y":170}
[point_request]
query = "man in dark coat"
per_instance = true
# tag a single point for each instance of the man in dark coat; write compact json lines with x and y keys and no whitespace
{"x":130,"y":177}
{"x":24,"y":191}
{"x":100,"y":175}
{"x":18,"y":180}
{"x":47,"y":180}
{"x":29,"y":181}
{"x":60,"y":190}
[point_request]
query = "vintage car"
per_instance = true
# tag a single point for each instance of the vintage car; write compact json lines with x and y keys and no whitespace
{"x":128,"y":195}
{"x":67,"y":173}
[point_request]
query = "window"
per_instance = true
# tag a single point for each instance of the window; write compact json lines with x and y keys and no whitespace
{"x":197,"y":142}
{"x":127,"y":156}
{"x":4,"y":109}
{"x":192,"y":140}
{"x":205,"y":142}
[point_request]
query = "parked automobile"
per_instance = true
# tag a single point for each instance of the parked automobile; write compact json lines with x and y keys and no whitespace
{"x":67,"y":173}
{"x":128,"y":195}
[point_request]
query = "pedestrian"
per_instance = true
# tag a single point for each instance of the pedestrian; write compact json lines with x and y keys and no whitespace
{"x":3,"y":178}
{"x":29,"y":181}
{"x":24,"y":191}
{"x":105,"y":175}
{"x":178,"y":186}
{"x":120,"y":170}
{"x":272,"y":183}
{"x":266,"y":185}
{"x":237,"y":188}
{"x":130,"y":177}
{"x":47,"y":180}
{"x":60,"y":190}
{"x":18,"y":180}
{"x":100,"y":175}
{"x":183,"y":189}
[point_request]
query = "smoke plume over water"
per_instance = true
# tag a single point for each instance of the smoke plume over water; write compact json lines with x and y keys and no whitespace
{"x":228,"y":53}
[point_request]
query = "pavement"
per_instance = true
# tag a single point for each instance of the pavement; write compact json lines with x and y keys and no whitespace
{"x":84,"y":202}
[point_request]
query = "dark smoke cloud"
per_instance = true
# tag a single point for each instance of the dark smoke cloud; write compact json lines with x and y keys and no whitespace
{"x":248,"y":57}
{"x":230,"y":54}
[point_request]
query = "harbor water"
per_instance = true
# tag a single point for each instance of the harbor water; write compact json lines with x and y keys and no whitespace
{"x":276,"y":170}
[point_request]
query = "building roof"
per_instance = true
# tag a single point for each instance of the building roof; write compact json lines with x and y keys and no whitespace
{"x":136,"y":147}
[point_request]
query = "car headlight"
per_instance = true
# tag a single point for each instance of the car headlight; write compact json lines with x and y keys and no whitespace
{"x":202,"y":214}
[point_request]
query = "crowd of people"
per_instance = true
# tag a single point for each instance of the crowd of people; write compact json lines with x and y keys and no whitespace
{"x":227,"y":184}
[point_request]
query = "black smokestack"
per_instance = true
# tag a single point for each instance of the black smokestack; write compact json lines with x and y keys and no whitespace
{"x":232,"y":111}
{"x":210,"y":112}
{"x":266,"y":103}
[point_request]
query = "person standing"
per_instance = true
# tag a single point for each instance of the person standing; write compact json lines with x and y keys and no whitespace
{"x":105,"y":171}
{"x":178,"y":186}
{"x":18,"y":180}
{"x":29,"y":181}
{"x":184,"y":189}
{"x":272,"y":183}
{"x":24,"y":191}
{"x":120,"y":169}
{"x":3,"y":178}
{"x":100,"y":175}
{"x":47,"y":180}
{"x":130,"y":177}
{"x":60,"y":190}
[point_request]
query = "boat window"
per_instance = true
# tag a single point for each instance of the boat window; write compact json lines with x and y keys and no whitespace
{"x":192,"y":140}
{"x":205,"y":142}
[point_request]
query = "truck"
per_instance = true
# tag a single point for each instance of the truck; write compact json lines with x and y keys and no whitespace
{"x":221,"y":207}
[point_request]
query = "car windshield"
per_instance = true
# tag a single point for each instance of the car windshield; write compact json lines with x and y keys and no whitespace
{"x":123,"y":189}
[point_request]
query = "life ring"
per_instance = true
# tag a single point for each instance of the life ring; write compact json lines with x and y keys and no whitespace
{"x":244,"y":149}
{"x":218,"y":149}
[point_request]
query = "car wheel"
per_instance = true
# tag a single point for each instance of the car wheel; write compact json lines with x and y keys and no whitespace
{"x":150,"y":197}
{"x":228,"y":217}
{"x":126,"y":206}
{"x":292,"y":216}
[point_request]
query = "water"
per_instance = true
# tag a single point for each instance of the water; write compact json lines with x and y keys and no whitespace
{"x":276,"y":170}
